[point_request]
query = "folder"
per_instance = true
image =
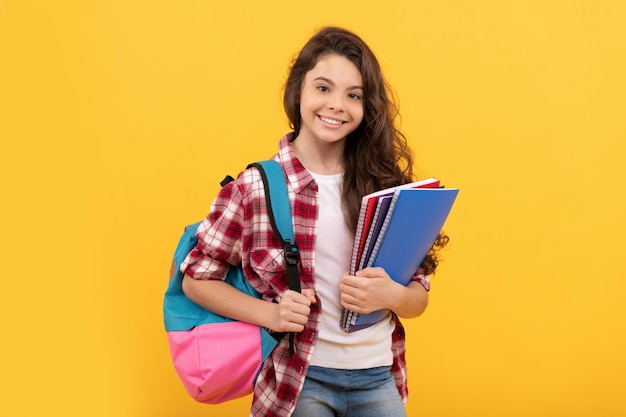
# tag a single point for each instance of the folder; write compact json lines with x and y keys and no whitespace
{"x":412,"y":223}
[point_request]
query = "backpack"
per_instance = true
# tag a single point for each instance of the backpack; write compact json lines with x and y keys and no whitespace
{"x":218,"y":359}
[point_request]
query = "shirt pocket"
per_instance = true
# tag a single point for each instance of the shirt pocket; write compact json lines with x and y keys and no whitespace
{"x":268,"y":260}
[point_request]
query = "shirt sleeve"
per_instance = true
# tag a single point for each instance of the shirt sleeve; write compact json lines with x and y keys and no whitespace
{"x":219,"y":238}
{"x":422,"y":279}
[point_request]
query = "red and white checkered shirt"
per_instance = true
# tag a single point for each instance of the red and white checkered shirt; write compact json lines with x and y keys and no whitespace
{"x":238,"y":230}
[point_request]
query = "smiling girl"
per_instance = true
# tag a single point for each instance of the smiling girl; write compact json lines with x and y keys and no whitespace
{"x":344,"y":144}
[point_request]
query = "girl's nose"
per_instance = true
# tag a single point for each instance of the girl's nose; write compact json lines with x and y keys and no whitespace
{"x":336,"y":103}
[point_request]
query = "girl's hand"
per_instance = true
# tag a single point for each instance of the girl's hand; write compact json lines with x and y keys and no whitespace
{"x":292,"y":313}
{"x":370,"y":289}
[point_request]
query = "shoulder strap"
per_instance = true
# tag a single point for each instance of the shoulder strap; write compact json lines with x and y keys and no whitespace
{"x":279,"y":210}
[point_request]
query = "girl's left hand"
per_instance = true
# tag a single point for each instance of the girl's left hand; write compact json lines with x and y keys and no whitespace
{"x":370,"y":289}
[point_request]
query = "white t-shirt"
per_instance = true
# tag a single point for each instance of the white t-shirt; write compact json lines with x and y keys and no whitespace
{"x":367,"y":348}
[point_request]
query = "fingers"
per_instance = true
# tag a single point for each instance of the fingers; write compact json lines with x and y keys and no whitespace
{"x":306,"y":297}
{"x":349,"y":283}
{"x":293,"y":310}
{"x":375,"y":276}
{"x":371,"y":272}
{"x":310,"y":294}
{"x":350,"y":291}
{"x":365,"y":291}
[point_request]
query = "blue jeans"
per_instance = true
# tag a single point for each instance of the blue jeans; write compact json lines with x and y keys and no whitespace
{"x":344,"y":392}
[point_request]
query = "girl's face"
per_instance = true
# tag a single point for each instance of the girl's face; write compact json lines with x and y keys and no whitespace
{"x":331,"y":102}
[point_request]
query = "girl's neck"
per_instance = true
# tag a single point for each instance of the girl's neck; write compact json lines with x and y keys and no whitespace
{"x":323,"y":159}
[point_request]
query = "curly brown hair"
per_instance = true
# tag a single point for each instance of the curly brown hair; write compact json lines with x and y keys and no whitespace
{"x":376,"y":154}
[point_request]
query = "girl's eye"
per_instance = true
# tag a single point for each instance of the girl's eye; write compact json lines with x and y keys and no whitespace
{"x":322,"y":88}
{"x":354,"y":96}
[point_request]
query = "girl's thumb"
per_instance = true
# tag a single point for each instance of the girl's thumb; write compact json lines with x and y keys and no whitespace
{"x":310,"y":294}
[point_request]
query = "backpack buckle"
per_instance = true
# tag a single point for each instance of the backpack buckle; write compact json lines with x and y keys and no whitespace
{"x":292,"y":255}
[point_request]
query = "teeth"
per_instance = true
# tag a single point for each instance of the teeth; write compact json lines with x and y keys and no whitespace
{"x":331,"y":121}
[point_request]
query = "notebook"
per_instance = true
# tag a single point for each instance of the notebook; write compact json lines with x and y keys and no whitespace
{"x":412,"y":223}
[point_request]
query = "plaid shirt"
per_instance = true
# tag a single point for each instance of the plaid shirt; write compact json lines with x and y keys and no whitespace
{"x":237,"y":230}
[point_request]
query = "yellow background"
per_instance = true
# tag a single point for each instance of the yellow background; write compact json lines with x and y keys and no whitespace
{"x":118,"y":119}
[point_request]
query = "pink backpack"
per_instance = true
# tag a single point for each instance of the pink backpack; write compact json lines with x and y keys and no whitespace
{"x":218,"y":359}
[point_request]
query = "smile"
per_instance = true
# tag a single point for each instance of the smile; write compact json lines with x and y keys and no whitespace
{"x":331,"y":121}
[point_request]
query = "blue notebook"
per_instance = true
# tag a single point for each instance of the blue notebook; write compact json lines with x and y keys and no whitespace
{"x":369,"y":204}
{"x":414,"y":220}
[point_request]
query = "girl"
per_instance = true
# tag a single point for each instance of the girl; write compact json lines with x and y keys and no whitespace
{"x":344,"y":145}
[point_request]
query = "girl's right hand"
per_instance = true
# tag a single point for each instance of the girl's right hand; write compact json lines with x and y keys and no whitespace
{"x":292,"y":313}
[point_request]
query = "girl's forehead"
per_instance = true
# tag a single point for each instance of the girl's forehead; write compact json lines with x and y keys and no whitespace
{"x":336,"y":68}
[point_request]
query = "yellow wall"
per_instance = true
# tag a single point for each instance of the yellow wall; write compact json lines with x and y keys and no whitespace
{"x":118,"y":119}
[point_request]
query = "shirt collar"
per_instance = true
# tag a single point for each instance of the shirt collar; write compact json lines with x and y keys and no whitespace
{"x":297,"y":175}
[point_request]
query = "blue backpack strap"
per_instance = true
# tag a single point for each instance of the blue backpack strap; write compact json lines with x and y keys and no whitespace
{"x":279,"y":210}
